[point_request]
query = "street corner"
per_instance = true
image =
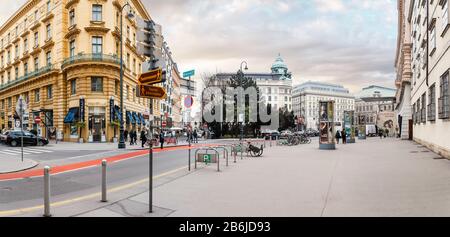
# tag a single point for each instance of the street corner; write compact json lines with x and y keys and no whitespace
{"x":14,"y":165}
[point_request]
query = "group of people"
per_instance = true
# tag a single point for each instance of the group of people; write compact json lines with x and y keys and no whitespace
{"x":193,"y":136}
{"x":132,"y":135}
{"x":341,"y":134}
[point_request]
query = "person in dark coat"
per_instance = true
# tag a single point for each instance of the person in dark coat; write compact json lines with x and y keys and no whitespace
{"x":143,"y":138}
{"x":344,"y":137}
{"x":125,"y":135}
{"x":338,"y":136}
{"x":195,"y":136}
{"x":161,"y":139}
{"x":131,"y":138}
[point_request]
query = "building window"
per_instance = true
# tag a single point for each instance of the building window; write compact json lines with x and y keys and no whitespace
{"x":49,"y":31}
{"x":25,"y":68}
{"x":445,"y":18}
{"x":9,"y":57}
{"x":25,"y":45}
{"x":9,"y":102}
{"x":128,"y":92}
{"x":16,"y":49}
{"x":97,"y":44}
{"x":433,"y":40}
{"x":49,"y":58}
{"x":49,"y":92}
{"x":49,"y":6}
{"x":96,"y":12}
{"x":8,"y":74}
{"x":72,"y":48}
{"x":423,"y":109}
{"x":36,"y":39}
{"x":116,"y":88}
{"x":72,"y":17}
{"x":36,"y":63}
{"x":16,"y":72}
{"x":432,"y":103}
{"x":97,"y":84}
{"x":37,"y":95}
{"x":443,"y":103}
{"x":73,"y":87}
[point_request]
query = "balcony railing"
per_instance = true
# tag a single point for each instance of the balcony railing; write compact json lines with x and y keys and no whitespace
{"x":27,"y":76}
{"x":90,"y":58}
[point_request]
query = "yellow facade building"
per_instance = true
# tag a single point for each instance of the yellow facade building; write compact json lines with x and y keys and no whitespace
{"x":62,"y":56}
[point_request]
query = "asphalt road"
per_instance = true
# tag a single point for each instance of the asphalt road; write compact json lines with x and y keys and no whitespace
{"x":27,"y":192}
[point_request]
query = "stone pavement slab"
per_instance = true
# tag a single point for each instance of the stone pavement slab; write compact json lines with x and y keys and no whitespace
{"x":13,"y":164}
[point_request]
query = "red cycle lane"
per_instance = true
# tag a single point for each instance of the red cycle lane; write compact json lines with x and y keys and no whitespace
{"x":91,"y":163}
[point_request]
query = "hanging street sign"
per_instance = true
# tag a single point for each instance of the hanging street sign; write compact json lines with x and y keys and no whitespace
{"x":151,"y":77}
{"x":189,"y":73}
{"x":151,"y":92}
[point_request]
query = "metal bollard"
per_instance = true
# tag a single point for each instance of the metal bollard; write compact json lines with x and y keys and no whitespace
{"x":189,"y":156}
{"x":47,"y":191}
{"x":104,"y":163}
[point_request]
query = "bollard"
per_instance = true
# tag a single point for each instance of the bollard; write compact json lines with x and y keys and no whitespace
{"x":104,"y":162}
{"x":235,"y":153}
{"x":189,"y":156}
{"x":47,"y":192}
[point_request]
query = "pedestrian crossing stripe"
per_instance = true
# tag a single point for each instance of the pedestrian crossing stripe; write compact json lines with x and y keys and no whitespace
{"x":26,"y":151}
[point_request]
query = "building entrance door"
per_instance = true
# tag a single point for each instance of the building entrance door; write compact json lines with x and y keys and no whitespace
{"x":97,"y":127}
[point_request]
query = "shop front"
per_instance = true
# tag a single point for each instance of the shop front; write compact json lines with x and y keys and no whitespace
{"x":97,"y":124}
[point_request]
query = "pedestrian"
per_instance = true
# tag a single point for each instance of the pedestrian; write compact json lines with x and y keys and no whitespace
{"x":380,"y":133}
{"x":344,"y":137}
{"x":143,"y":138}
{"x":161,"y":139}
{"x":338,"y":136}
{"x":386,"y":132}
{"x":195,"y":136}
{"x":125,"y":135}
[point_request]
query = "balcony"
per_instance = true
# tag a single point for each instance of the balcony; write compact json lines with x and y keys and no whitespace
{"x":37,"y":73}
{"x":83,"y":58}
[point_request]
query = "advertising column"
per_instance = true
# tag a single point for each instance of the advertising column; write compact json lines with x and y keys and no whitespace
{"x":327,"y":140}
{"x":362,"y":127}
{"x":349,"y":126}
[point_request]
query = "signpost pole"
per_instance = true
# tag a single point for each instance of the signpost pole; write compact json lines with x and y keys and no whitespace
{"x":150,"y":154}
{"x":21,"y":124}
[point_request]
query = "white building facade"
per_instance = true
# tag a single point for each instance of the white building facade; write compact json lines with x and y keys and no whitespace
{"x":430,"y":38}
{"x":306,"y":98}
{"x":404,"y":73}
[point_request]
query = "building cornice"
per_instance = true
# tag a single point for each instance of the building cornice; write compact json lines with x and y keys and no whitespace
{"x":18,"y":14}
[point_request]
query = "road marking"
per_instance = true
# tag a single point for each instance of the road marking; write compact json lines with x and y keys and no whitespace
{"x":86,"y":197}
{"x":17,"y":152}
{"x":8,"y":153}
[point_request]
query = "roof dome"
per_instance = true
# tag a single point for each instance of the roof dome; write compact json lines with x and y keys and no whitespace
{"x":278,"y":64}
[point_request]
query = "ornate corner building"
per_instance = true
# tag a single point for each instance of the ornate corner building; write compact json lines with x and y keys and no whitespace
{"x":63,"y":57}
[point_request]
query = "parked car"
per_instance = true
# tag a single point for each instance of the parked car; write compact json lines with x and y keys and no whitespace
{"x":14,"y":138}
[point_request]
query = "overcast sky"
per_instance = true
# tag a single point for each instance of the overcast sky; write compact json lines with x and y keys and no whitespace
{"x":349,"y":42}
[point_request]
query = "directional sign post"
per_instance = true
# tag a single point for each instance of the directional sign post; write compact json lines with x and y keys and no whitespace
{"x":151,"y":92}
{"x":152,"y":77}
{"x":189,"y":73}
{"x":146,"y":90}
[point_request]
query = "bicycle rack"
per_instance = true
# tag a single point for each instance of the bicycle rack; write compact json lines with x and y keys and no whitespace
{"x":225,"y":151}
{"x":207,"y":149}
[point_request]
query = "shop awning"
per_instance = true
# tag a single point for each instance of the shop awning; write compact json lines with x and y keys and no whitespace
{"x":141,"y":116}
{"x":136,"y":118}
{"x":72,"y":115}
{"x":130,"y":118}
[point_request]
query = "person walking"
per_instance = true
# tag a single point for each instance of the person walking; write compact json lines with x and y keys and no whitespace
{"x":344,"y":137}
{"x":161,"y":139}
{"x":143,"y":138}
{"x":195,"y":136}
{"x":338,"y":136}
{"x":380,"y":133}
{"x":125,"y":135}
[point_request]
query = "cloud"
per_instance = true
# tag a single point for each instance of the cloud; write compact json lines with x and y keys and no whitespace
{"x":349,"y":42}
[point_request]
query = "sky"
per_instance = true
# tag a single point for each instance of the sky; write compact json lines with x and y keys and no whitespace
{"x":347,"y":42}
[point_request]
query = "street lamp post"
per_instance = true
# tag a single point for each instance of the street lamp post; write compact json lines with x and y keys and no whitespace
{"x":240,"y":83}
{"x":130,"y":15}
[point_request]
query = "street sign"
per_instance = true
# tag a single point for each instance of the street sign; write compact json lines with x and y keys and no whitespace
{"x":151,"y":77}
{"x":189,"y":73}
{"x":164,"y":124}
{"x":37,"y":120}
{"x":188,"y":101}
{"x":151,"y":92}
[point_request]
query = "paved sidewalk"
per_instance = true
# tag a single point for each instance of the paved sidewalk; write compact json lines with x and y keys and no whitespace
{"x":371,"y":178}
{"x":13,"y":164}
